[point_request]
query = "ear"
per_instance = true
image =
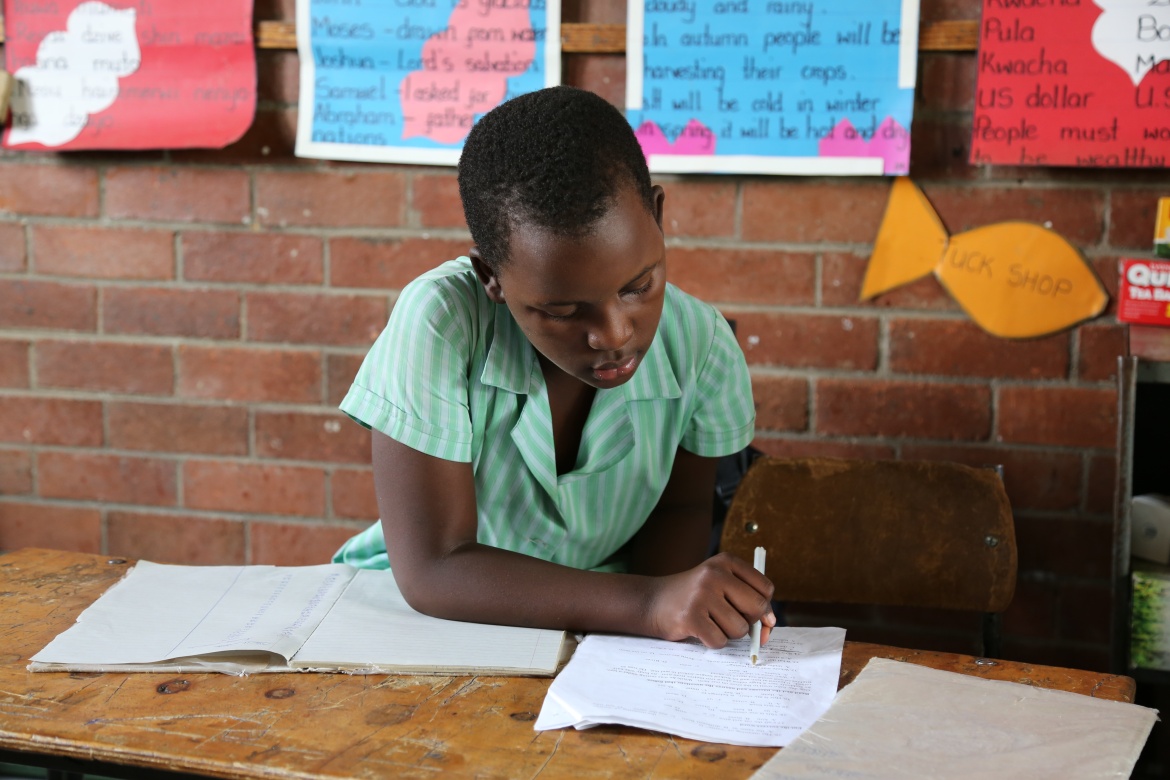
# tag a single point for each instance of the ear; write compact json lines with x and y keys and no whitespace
{"x":487,"y":277}
{"x":659,"y":197}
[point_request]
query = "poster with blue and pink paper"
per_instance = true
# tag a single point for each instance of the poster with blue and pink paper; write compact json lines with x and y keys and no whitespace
{"x":403,"y":81}
{"x":812,"y":87}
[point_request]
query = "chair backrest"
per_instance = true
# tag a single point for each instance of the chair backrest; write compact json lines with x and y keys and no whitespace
{"x":893,"y":533}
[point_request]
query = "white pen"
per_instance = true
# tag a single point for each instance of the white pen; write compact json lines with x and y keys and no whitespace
{"x":759,"y":564}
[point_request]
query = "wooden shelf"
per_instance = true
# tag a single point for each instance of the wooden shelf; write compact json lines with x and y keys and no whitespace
{"x":958,"y":35}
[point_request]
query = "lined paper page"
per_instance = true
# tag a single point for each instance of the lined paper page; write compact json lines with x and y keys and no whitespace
{"x":268,"y":608}
{"x":160,"y":611}
{"x":371,"y":626}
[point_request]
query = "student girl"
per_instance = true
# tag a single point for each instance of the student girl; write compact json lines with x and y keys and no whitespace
{"x":547,"y":412}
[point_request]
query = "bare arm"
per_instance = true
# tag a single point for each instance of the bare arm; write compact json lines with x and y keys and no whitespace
{"x":428,"y":514}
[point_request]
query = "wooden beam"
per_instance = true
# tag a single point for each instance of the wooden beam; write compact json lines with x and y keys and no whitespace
{"x":954,"y":35}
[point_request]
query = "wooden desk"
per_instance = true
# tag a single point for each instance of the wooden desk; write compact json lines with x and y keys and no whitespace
{"x":334,"y":725}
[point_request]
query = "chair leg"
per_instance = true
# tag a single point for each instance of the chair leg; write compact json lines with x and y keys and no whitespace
{"x":992,"y":640}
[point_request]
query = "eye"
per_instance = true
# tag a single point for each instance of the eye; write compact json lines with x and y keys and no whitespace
{"x":556,"y":317}
{"x":641,"y":290}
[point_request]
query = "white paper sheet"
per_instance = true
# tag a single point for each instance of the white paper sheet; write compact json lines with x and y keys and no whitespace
{"x":371,"y":628}
{"x":250,"y":619}
{"x":159,"y":612}
{"x":687,"y":689}
{"x":899,"y":720}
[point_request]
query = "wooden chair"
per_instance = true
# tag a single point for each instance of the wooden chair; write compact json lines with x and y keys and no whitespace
{"x":889,"y":533}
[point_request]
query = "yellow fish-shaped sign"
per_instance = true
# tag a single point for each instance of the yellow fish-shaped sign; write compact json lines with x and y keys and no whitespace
{"x":1014,"y":279}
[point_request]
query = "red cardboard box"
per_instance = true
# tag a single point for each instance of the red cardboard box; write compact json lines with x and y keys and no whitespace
{"x":1144,"y":292}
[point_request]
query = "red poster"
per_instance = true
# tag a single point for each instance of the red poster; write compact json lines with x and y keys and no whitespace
{"x":129,"y":74}
{"x":1073,"y":82}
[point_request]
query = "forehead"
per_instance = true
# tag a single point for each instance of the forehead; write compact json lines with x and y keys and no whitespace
{"x":621,"y":244}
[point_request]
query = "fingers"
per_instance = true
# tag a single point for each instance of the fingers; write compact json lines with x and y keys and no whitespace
{"x":739,"y":608}
{"x":711,"y":634}
{"x":744,"y":571}
{"x":731,"y":622}
{"x":716,"y":601}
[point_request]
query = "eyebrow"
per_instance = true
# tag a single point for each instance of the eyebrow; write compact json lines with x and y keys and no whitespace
{"x":637,"y":276}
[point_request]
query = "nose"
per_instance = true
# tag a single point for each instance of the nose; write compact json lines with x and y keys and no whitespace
{"x":612,"y":331}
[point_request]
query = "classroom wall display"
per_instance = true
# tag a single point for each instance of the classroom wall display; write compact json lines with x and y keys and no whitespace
{"x":769,"y":86}
{"x":1075,"y":83}
{"x":404,"y":80}
{"x":1143,"y":294}
{"x":1162,"y":228}
{"x":129,"y":74}
{"x":1014,"y":279}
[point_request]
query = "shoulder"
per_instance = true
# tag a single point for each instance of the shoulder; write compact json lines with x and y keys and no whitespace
{"x":443,"y":292}
{"x":690,"y":329}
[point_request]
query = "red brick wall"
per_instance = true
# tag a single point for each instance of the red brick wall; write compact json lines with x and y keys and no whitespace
{"x":176,"y":329}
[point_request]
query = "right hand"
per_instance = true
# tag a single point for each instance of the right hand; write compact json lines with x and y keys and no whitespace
{"x":714,"y":602}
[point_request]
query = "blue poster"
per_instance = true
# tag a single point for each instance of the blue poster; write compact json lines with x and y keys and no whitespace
{"x":404,"y":80}
{"x":767,"y":86}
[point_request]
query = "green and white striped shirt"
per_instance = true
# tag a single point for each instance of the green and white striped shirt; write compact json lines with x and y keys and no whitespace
{"x":453,"y":376}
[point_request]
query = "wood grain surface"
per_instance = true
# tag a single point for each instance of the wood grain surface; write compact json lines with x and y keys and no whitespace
{"x":354,"y":726}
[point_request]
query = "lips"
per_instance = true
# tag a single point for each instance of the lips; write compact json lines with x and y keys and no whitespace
{"x":608,"y":372}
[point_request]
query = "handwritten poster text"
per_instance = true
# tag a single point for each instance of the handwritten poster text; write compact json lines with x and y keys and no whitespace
{"x":766,"y":86}
{"x":1074,"y":83}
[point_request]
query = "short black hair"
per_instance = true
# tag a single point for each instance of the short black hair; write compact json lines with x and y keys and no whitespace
{"x":555,"y":158}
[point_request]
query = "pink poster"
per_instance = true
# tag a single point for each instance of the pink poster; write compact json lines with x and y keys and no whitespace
{"x":129,"y":74}
{"x":1084,"y":83}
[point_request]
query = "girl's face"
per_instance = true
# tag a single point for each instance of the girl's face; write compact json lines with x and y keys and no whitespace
{"x":590,"y":306}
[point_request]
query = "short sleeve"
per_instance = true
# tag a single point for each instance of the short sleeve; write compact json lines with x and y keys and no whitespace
{"x":412,"y":385}
{"x":724,"y":417}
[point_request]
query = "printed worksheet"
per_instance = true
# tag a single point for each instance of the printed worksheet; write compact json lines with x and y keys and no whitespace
{"x":693,"y":691}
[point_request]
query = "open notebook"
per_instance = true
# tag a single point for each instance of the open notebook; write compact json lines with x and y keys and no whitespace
{"x":243,"y":619}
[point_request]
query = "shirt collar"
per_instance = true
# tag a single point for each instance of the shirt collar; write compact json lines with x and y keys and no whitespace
{"x":510,"y":357}
{"x":655,"y":378}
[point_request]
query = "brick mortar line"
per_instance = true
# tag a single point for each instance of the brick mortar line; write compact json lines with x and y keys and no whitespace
{"x":327,"y":232}
{"x":818,"y":278}
{"x":331,"y":466}
{"x":860,"y":311}
{"x":245,"y":306}
{"x":964,"y":444}
{"x":1037,"y":576}
{"x":999,"y":381}
{"x":767,"y":371}
{"x":143,"y":339}
{"x":238,"y":228}
{"x":179,"y":458}
{"x":301,"y":165}
{"x":210,"y":514}
{"x":1086,"y":479}
{"x":72,"y":394}
{"x":17,"y":158}
{"x":201,"y":285}
{"x":883,"y":367}
{"x":109,"y":397}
